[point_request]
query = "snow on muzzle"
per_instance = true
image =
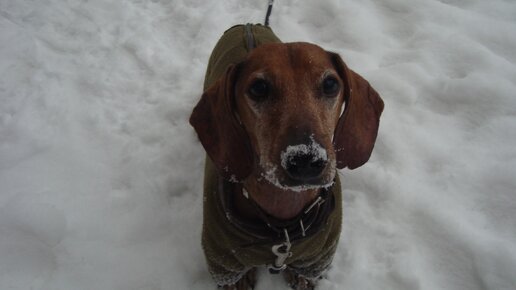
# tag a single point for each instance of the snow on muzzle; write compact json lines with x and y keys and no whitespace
{"x":304,"y":162}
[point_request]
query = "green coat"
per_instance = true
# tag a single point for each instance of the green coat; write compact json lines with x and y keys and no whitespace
{"x":232,"y":49}
{"x":227,"y":248}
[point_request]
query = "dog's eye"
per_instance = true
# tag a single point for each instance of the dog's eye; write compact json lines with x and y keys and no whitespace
{"x":259,"y":90}
{"x":330,"y":86}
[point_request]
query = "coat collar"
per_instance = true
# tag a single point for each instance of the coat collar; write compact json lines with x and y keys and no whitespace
{"x":268,"y":229}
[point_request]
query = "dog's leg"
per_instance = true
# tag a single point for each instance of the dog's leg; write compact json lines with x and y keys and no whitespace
{"x":303,"y":275}
{"x":247,"y":282}
{"x":298,"y":282}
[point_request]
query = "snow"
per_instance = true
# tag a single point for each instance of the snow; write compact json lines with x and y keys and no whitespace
{"x":270,"y":175}
{"x":101,"y":175}
{"x":313,"y":149}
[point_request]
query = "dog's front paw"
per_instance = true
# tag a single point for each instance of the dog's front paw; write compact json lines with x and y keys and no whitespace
{"x":298,"y":282}
{"x":247,"y":282}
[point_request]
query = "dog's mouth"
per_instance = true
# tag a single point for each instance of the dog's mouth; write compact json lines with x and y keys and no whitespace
{"x":288,"y":183}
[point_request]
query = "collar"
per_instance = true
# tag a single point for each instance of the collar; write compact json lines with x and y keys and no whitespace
{"x":270,"y":229}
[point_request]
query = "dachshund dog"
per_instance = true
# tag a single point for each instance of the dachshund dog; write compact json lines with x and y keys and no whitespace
{"x":277,"y":120}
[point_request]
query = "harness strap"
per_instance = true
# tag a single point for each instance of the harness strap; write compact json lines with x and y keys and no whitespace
{"x":251,"y":43}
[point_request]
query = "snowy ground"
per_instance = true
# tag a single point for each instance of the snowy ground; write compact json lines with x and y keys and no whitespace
{"x":100,"y":173}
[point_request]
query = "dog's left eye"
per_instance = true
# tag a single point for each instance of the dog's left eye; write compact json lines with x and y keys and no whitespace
{"x":330,"y":86}
{"x":259,"y":90}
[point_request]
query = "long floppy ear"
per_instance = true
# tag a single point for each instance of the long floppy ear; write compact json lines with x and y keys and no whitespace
{"x":357,"y":128}
{"x":221,"y":134}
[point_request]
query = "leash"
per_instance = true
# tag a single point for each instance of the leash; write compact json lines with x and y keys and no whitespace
{"x":269,"y":10}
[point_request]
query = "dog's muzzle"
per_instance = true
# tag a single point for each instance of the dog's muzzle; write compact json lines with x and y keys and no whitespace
{"x":304,"y":162}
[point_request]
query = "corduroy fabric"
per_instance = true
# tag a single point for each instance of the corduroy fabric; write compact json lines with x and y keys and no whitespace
{"x":226,"y":248}
{"x":232,"y":49}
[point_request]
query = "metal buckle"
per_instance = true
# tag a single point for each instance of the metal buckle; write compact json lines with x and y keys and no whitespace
{"x":282,"y":252}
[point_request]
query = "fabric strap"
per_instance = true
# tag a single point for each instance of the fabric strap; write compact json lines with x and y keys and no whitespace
{"x":251,"y":43}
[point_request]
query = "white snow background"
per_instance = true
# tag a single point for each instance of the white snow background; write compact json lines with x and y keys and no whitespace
{"x":101,"y":174}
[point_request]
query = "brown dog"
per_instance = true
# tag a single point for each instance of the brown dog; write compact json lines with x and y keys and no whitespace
{"x":276,"y":126}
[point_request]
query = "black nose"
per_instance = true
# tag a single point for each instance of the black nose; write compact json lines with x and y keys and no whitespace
{"x":305,"y":166}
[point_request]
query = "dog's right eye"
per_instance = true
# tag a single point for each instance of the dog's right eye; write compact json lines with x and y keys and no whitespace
{"x":330,"y":86}
{"x":259,"y":90}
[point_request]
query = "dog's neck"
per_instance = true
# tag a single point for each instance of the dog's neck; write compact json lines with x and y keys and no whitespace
{"x":277,"y":202}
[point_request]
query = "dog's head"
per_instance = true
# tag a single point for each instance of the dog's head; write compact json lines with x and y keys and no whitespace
{"x":291,"y":113}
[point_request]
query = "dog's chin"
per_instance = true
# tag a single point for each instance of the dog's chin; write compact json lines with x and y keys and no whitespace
{"x":285,"y":182}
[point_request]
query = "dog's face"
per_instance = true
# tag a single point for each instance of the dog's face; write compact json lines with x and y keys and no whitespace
{"x":289,"y":98}
{"x":290,"y":113}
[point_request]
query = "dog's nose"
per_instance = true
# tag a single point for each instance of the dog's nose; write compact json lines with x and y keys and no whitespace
{"x":304,"y":162}
{"x":305,"y":166}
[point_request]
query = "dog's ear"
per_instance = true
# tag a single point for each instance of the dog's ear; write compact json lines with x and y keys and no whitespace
{"x":357,"y":127}
{"x":219,"y":130}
